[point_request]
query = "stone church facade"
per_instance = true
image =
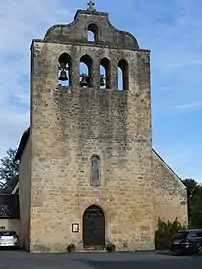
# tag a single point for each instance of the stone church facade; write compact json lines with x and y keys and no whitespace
{"x":88,"y":172}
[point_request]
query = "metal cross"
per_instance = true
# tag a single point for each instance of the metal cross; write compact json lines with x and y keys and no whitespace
{"x":91,"y":5}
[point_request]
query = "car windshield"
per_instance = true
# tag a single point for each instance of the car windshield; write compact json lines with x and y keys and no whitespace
{"x":7,"y":233}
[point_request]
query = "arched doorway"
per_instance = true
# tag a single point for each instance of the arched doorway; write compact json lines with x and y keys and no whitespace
{"x":94,"y":228}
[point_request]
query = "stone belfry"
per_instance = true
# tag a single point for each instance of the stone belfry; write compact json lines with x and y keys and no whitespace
{"x":89,"y":178}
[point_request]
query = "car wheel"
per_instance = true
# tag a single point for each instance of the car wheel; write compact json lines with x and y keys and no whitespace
{"x":199,"y":250}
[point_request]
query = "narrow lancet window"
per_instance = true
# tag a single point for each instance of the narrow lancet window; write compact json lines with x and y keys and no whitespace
{"x":95,"y":171}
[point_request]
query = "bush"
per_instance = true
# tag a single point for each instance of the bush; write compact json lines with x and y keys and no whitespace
{"x":164,"y":232}
{"x":110,"y":247}
{"x":71,"y":248}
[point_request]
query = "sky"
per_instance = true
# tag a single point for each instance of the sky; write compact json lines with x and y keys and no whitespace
{"x":170,"y":29}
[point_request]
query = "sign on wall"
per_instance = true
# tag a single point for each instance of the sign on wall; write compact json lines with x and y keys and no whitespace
{"x":75,"y":227}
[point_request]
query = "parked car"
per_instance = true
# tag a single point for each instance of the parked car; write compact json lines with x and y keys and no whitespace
{"x":8,"y":239}
{"x":187,"y":241}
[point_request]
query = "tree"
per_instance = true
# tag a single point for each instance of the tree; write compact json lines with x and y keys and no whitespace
{"x":194,"y":200}
{"x":191,"y":186}
{"x":8,"y":170}
{"x":165,"y":231}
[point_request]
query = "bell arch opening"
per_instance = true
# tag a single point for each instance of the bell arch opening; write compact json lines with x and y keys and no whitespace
{"x":64,"y":70}
{"x":123,"y":75}
{"x":94,"y":228}
{"x":86,"y":71}
{"x":92,"y":33}
{"x":105,"y":73}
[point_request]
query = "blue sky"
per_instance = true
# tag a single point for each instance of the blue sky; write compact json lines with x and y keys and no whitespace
{"x":170,"y":29}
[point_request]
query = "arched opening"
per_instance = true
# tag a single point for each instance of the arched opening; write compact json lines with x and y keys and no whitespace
{"x":105,"y":74}
{"x":64,"y":70}
{"x":92,"y":32}
{"x":123,"y":75}
{"x":120,"y":79}
{"x":86,"y":71}
{"x":94,"y":228}
{"x":95,"y":171}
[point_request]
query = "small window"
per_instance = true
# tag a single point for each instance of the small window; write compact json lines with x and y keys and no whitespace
{"x":95,"y":171}
{"x":92,"y":32}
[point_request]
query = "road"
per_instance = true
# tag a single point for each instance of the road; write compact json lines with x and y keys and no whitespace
{"x":149,"y":260}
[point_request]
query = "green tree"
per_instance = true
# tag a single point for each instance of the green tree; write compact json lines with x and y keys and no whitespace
{"x":164,"y":232}
{"x":194,"y":199}
{"x":196,"y":213}
{"x":191,"y":186}
{"x":8,"y":170}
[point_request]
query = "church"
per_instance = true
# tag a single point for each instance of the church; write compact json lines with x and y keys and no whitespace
{"x":88,"y":172}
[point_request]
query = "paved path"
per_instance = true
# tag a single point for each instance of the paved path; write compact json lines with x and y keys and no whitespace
{"x":150,"y":260}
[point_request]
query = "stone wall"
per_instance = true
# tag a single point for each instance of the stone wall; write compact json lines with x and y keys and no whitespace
{"x":68,"y":126}
{"x":25,"y":195}
{"x":170,"y":193}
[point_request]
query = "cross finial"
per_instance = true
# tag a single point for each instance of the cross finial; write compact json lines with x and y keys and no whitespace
{"x":91,"y":5}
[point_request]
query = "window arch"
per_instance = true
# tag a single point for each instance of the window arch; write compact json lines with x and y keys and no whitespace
{"x":105,"y":73}
{"x":64,"y":70}
{"x":123,"y":75}
{"x":86,"y":71}
{"x":95,"y":171}
{"x":92,"y":32}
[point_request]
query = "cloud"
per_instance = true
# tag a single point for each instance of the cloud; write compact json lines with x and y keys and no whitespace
{"x":179,"y":160}
{"x":172,"y":32}
{"x":189,"y":106}
{"x":184,"y":63}
{"x":20,"y":22}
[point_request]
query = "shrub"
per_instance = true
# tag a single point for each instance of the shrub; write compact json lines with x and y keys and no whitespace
{"x":165,"y":231}
{"x":71,"y":248}
{"x":110,"y":247}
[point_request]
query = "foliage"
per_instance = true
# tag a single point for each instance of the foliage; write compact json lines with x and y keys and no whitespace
{"x":165,"y":231}
{"x":71,"y":248}
{"x":194,"y":199}
{"x":8,"y":170}
{"x":110,"y":247}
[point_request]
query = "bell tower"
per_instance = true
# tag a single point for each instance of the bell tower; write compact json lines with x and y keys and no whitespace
{"x":90,"y":141}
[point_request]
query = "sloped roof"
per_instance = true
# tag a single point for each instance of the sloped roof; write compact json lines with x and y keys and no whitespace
{"x":22,"y":144}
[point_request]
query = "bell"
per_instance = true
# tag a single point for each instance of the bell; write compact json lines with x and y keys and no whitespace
{"x":83,"y":82}
{"x":63,"y":75}
{"x":102,"y":83}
